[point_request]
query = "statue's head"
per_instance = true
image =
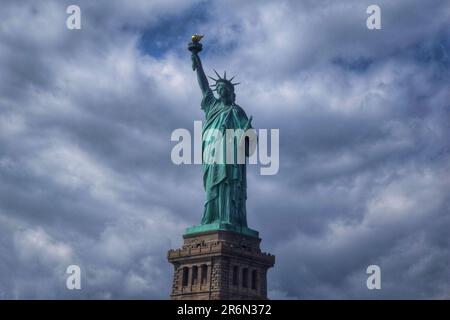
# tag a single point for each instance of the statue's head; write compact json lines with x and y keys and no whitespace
{"x":224,"y":87}
{"x":225,"y":90}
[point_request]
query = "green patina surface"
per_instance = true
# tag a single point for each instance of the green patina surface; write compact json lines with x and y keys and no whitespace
{"x":226,"y":183}
{"x":222,"y":226}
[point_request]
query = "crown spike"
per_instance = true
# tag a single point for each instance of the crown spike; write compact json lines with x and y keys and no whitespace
{"x":225,"y":75}
{"x":213,"y":79}
{"x":217,"y":74}
{"x":232,"y":78}
{"x":235,"y":84}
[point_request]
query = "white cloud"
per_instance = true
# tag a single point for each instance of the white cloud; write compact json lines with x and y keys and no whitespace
{"x":36,"y":244}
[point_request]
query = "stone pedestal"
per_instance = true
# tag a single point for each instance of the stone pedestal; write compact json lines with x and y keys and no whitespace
{"x":220,"y":265}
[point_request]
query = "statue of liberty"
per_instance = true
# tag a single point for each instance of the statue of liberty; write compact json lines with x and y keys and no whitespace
{"x":225,"y":182}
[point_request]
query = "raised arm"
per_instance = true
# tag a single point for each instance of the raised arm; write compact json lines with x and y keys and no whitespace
{"x":201,"y":77}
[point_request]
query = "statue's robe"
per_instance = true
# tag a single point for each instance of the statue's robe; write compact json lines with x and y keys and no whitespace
{"x":225,"y":184}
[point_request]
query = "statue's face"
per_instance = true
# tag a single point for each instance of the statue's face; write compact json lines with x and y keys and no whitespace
{"x":224,"y":91}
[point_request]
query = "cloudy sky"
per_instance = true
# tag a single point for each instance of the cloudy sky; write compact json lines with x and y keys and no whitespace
{"x":86,"y":117}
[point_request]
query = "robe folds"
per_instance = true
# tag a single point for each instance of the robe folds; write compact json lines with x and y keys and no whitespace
{"x":225,"y":183}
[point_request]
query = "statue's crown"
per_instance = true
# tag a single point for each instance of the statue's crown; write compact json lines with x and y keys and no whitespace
{"x":223,"y":80}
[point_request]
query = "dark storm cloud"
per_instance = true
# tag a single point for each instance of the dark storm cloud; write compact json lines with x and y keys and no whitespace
{"x":86,"y":118}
